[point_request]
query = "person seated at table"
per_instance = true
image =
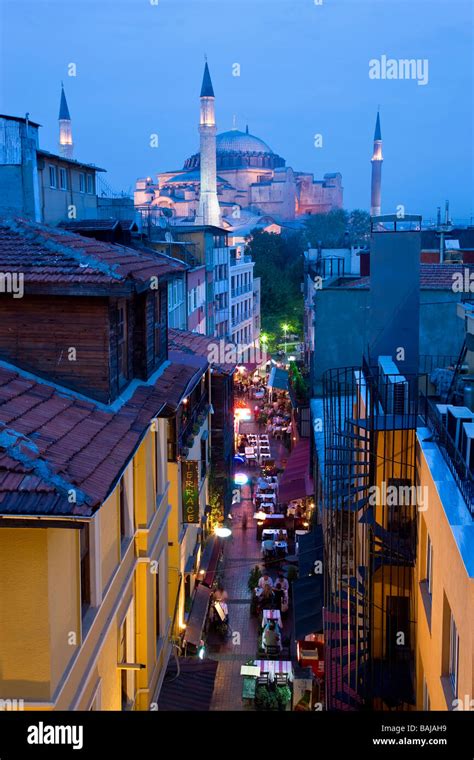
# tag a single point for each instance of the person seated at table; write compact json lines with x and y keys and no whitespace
{"x":283,"y":583}
{"x":268,"y":546}
{"x":265,"y":580}
{"x":271,"y":636}
{"x":278,"y":597}
{"x":265,"y":600}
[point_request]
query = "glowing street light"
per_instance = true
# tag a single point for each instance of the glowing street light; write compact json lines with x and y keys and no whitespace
{"x":222,"y":532}
{"x":286,"y":329}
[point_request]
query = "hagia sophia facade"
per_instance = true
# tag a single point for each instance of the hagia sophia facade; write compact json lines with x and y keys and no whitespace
{"x":249,"y":179}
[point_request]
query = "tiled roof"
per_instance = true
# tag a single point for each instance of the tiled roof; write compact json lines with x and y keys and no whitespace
{"x":56,"y":256}
{"x":54,"y":442}
{"x":188,"y":342}
{"x":432,"y":277}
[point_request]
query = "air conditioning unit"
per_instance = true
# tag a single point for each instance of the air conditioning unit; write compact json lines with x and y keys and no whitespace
{"x":442,"y":411}
{"x":467,"y":444}
{"x":394,"y":386}
{"x":455,"y":417}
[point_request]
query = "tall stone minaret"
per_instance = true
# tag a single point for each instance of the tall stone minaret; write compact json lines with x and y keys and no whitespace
{"x":209,"y":211}
{"x":66,"y":145}
{"x":377,"y":160}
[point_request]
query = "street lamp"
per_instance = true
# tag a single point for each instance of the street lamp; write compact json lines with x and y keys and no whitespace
{"x":222,"y":532}
{"x":286,"y":328}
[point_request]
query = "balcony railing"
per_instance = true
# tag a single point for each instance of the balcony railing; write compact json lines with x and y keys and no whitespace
{"x":241,"y":318}
{"x":235,"y":292}
{"x":200,"y":408}
{"x":235,"y":262}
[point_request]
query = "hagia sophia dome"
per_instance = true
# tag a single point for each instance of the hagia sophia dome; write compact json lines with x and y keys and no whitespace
{"x":236,"y":149}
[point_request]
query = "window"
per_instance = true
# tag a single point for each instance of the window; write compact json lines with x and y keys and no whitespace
{"x":82,"y":182}
{"x":453,"y":655}
{"x":63,"y":179}
{"x":429,"y":565}
{"x":90,"y":183}
{"x":126,"y":487}
{"x":53,"y":180}
{"x":127,"y":655}
{"x":85,"y":569}
{"x":157,"y":603}
{"x":122,"y":353}
{"x":123,"y":509}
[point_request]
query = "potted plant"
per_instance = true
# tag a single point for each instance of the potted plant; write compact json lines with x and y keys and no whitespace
{"x":201,"y":419}
{"x":195,"y":428}
{"x":254,"y":577}
{"x":283,"y":694}
{"x":190,"y":441}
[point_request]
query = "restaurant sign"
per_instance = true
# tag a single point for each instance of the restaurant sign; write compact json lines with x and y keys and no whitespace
{"x":190,"y":491}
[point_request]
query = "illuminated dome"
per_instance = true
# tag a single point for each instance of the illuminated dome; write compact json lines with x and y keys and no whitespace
{"x":236,"y":141}
{"x":240,"y":150}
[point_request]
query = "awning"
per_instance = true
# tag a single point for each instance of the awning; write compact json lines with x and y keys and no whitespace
{"x":198,"y":615}
{"x":308,"y":605}
{"x":193,"y":689}
{"x":310,"y":550}
{"x":278,"y":379}
{"x":296,"y":482}
{"x":209,"y":560}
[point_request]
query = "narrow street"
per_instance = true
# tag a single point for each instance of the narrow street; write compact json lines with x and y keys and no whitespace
{"x":242,"y":553}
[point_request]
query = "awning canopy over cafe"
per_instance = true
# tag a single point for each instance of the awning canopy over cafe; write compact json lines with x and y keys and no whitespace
{"x":296,"y":482}
{"x":198,"y":616}
{"x":278,"y":379}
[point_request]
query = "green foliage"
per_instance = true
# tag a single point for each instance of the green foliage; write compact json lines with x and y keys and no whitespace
{"x":272,"y":699}
{"x":279,"y":263}
{"x":298,"y":382}
{"x":338,"y":229}
{"x":283,"y":696}
{"x":266,"y":699}
{"x":254,"y":577}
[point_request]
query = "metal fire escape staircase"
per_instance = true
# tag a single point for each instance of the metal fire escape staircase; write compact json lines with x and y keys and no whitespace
{"x":348,"y":465}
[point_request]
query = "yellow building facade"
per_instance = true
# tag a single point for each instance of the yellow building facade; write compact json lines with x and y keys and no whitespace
{"x":85,"y":621}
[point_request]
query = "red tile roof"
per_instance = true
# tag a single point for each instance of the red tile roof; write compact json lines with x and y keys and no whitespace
{"x":54,"y":442}
{"x":201,"y":345}
{"x":432,"y":277}
{"x":56,"y":256}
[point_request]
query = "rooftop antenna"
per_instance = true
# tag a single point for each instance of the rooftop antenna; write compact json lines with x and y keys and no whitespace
{"x":234,"y":122}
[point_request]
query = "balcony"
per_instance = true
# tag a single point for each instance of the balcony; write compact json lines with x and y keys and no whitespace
{"x":236,"y":292}
{"x":221,"y":315}
{"x":188,"y":427}
{"x":243,"y":317}
{"x":236,"y":262}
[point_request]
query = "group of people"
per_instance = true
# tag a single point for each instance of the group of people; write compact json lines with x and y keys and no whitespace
{"x":273,"y":596}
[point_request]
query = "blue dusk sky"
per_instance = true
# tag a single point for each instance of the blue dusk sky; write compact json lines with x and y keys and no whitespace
{"x":304,"y":70}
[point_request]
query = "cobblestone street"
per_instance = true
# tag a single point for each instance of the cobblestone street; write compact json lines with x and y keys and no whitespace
{"x":242,"y":553}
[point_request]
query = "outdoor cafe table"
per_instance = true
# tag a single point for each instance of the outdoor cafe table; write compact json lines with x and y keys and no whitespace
{"x":270,"y":532}
{"x":272,"y":615}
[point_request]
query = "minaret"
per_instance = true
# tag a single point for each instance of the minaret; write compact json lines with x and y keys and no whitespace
{"x":377,"y":160}
{"x":209,"y":211}
{"x":66,"y":146}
